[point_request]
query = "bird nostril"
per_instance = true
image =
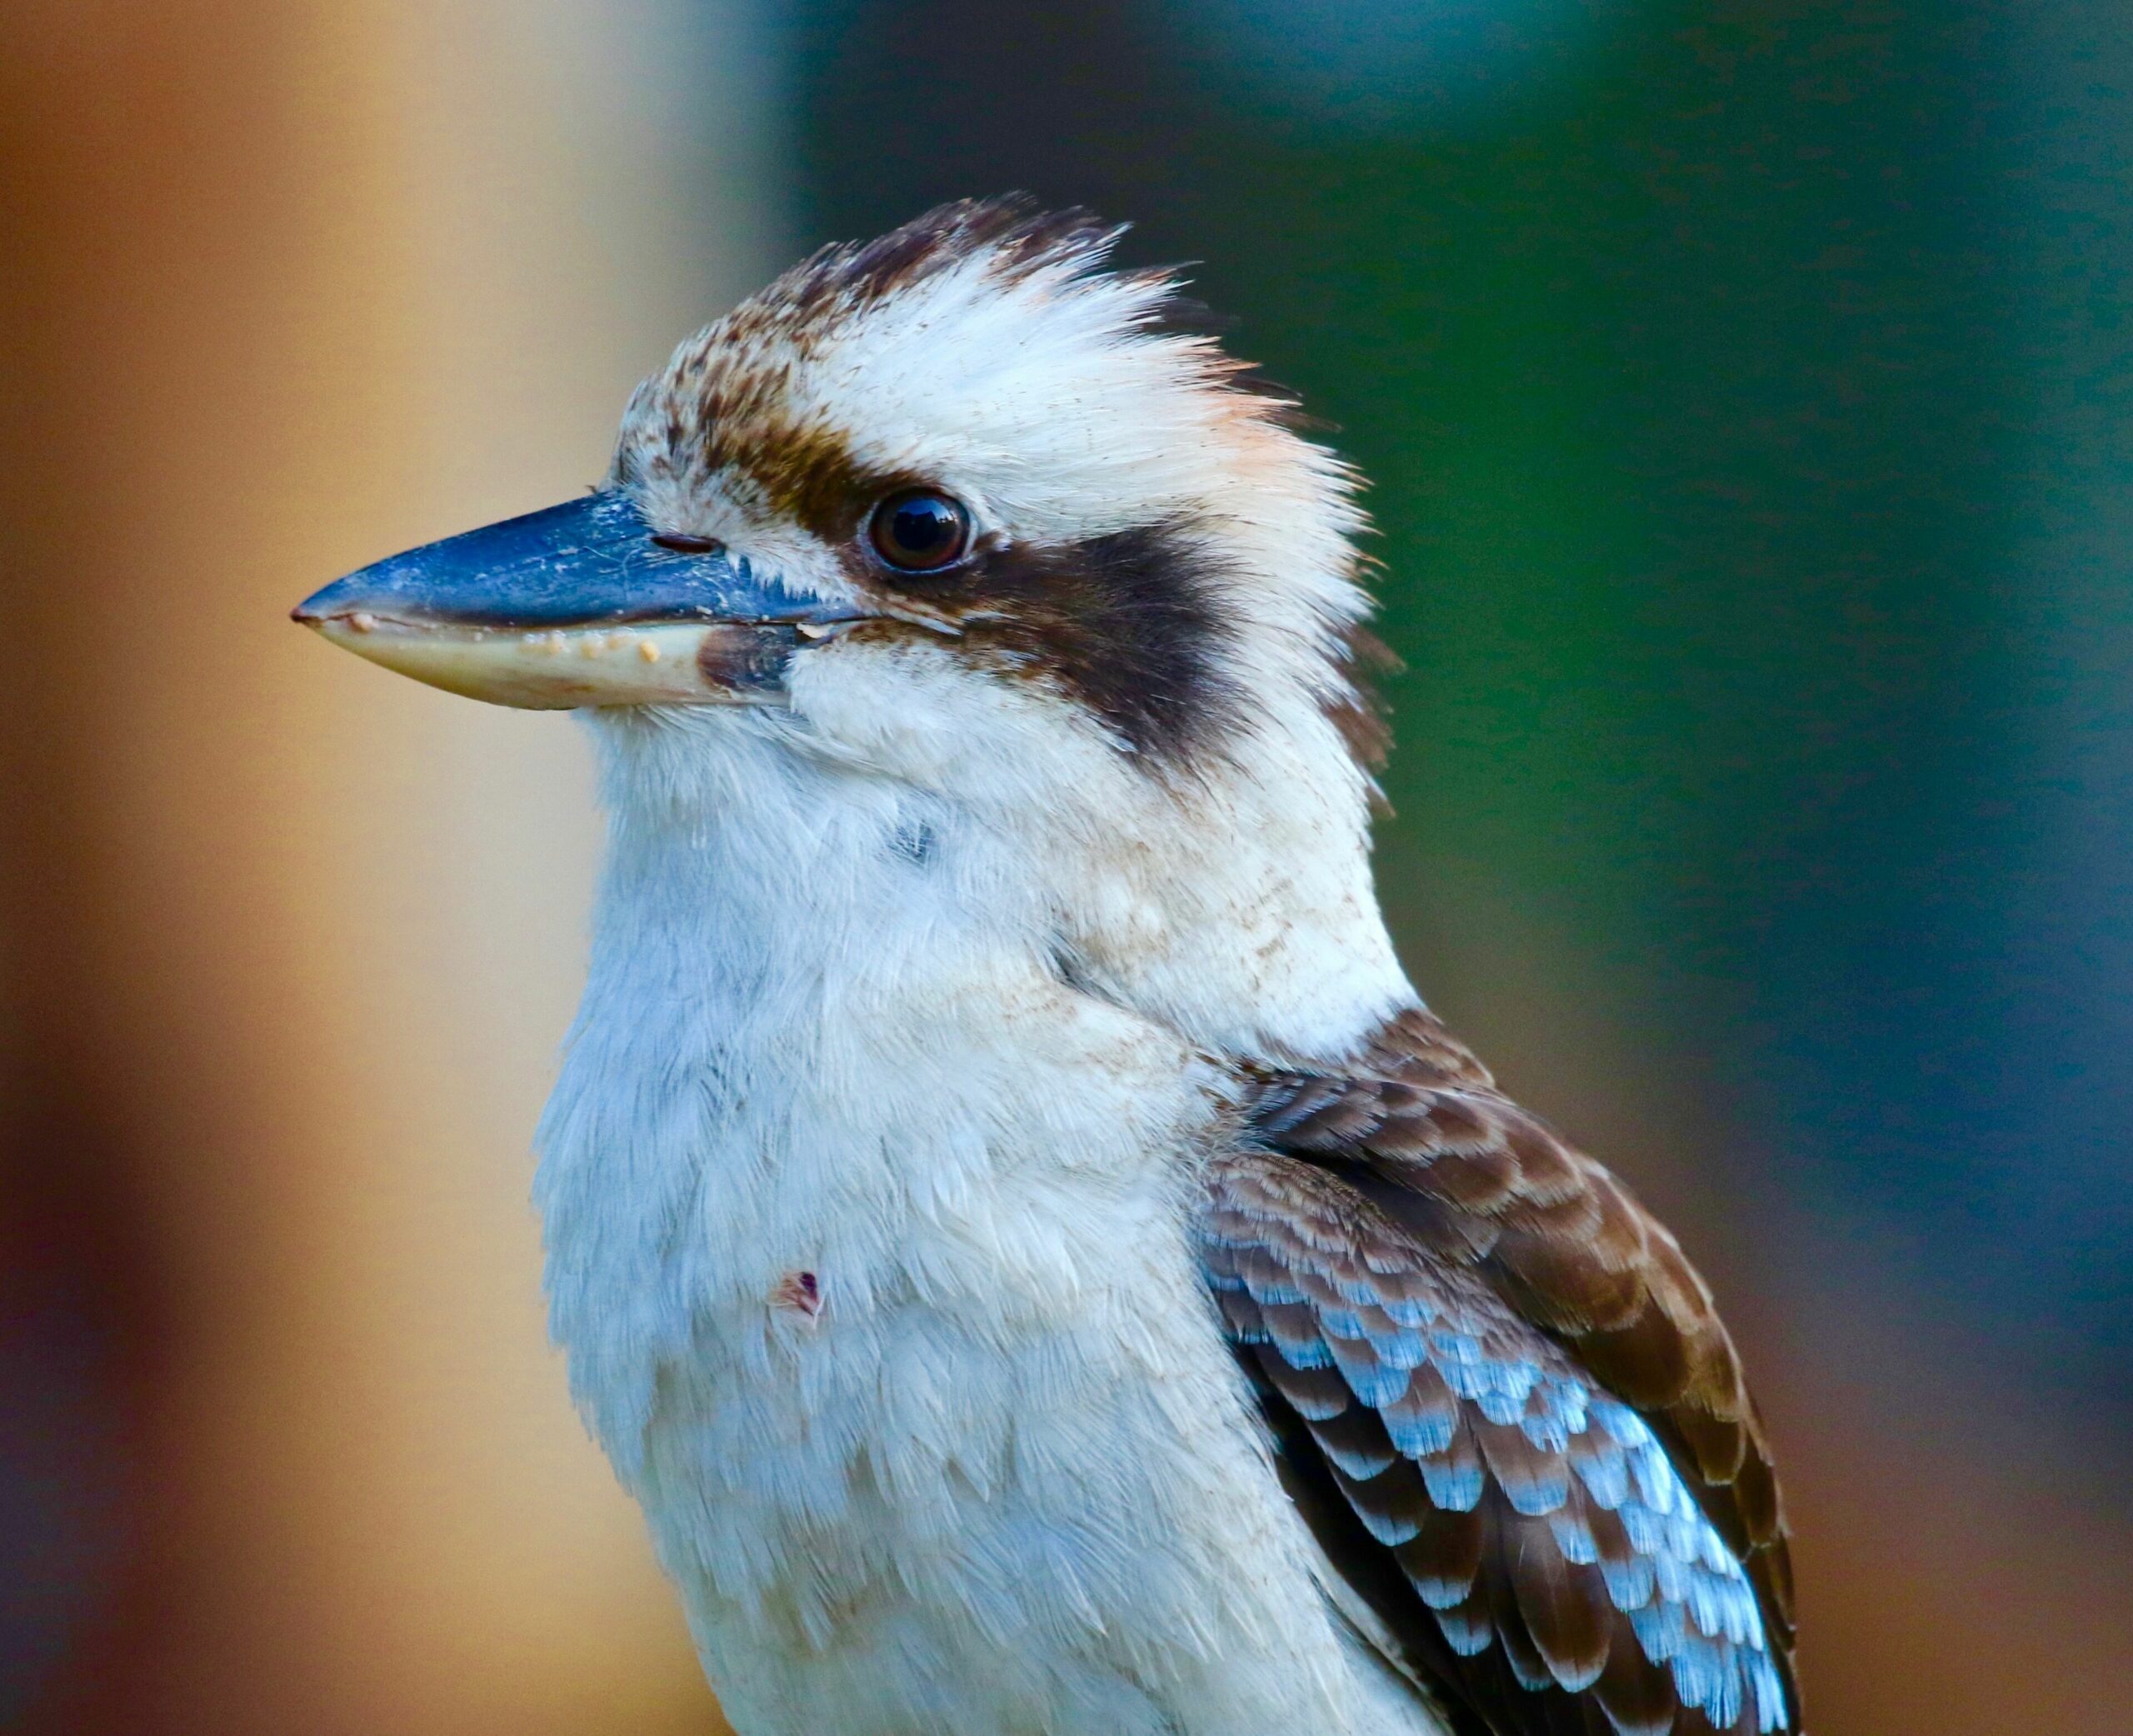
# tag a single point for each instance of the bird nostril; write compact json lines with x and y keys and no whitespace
{"x":685,"y":545}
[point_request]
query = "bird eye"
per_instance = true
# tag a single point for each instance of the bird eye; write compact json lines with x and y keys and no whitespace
{"x":920,"y":531}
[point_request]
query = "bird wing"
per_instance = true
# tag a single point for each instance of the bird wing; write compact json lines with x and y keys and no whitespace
{"x":1504,"y":1402}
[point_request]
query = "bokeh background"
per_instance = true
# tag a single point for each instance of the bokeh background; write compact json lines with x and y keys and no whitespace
{"x":1746,"y":390}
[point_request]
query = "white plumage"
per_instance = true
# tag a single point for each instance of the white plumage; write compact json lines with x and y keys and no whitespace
{"x":1007,"y":1479}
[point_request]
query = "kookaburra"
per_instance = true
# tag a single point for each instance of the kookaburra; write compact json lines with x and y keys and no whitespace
{"x":1013,"y":1226}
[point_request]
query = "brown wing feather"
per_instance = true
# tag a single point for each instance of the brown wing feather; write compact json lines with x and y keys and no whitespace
{"x":1562,"y":1240}
{"x":1409,"y":1187}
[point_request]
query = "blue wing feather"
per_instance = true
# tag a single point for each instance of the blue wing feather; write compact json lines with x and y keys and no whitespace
{"x":1488,"y":1414}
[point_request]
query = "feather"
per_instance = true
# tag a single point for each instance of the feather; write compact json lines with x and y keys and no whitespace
{"x":1520,"y":1390}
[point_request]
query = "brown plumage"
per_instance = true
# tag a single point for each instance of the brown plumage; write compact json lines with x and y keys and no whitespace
{"x":1383,"y":1206}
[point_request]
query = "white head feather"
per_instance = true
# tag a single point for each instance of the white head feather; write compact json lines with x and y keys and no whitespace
{"x":1129,"y":723}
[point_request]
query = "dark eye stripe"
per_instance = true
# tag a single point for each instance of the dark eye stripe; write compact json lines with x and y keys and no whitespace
{"x":1130,"y":624}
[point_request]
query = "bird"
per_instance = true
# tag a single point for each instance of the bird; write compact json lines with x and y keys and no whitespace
{"x":1013,"y":1224}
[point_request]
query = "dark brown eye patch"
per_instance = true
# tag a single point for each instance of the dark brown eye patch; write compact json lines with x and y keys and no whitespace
{"x":685,"y":545}
{"x":920,"y":531}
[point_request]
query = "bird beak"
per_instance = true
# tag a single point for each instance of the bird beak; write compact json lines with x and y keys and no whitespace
{"x":575,"y":606}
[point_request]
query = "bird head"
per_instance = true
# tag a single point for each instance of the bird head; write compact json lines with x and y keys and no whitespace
{"x":977,"y":525}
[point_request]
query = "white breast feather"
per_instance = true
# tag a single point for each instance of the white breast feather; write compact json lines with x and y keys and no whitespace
{"x":1007,"y":1481}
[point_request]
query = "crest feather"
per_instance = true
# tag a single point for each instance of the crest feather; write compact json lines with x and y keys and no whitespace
{"x":1016,"y":236}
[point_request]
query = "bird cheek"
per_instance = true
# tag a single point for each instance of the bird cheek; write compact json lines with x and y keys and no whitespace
{"x":893,"y":699}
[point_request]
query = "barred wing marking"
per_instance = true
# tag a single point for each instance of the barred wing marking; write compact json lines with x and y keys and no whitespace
{"x":1505,"y":1371}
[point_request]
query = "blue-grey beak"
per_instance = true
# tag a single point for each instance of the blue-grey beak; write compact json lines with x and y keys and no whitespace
{"x":578,"y":605}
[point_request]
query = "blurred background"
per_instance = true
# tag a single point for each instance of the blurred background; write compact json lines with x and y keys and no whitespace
{"x":1746,"y":387}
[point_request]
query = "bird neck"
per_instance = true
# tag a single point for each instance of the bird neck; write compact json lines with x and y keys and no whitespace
{"x":755,"y":879}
